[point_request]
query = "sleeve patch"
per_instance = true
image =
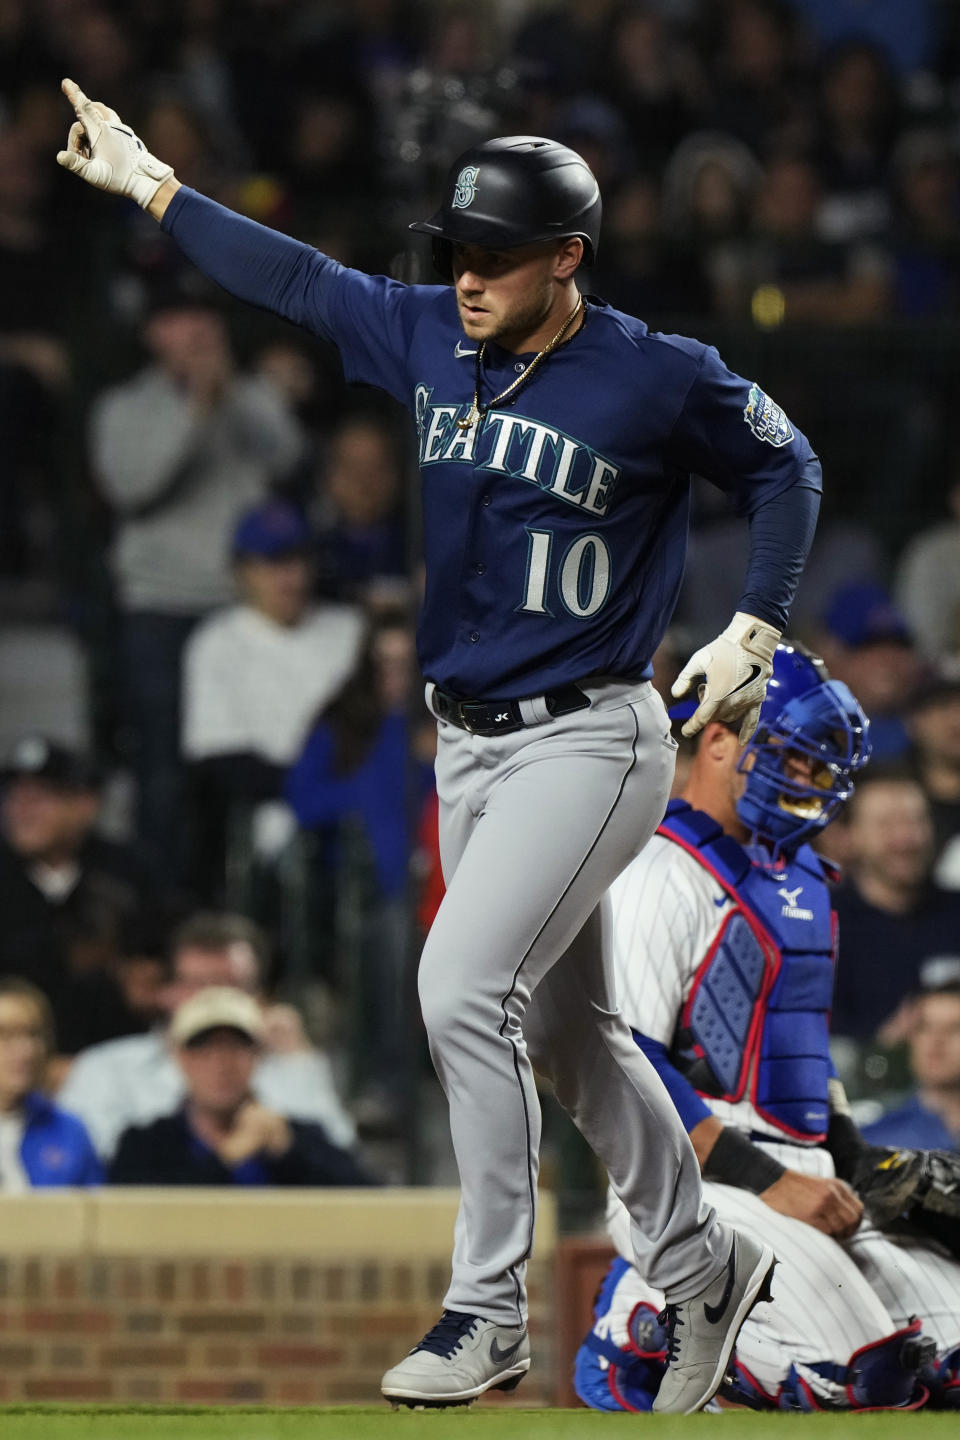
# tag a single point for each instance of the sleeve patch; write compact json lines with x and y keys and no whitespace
{"x":767,"y":420}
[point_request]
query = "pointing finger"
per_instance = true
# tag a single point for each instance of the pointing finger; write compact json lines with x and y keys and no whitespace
{"x":74,"y":94}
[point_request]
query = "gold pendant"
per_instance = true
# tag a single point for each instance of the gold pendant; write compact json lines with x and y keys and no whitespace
{"x":467,"y":423}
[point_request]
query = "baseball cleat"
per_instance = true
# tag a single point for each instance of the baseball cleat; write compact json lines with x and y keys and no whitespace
{"x":703,"y":1330}
{"x":460,"y":1358}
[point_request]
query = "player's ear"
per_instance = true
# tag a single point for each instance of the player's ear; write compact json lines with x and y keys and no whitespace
{"x":569,"y":255}
{"x":719,"y":741}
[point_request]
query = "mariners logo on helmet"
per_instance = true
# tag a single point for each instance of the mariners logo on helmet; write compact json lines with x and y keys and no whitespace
{"x":466,"y":189}
{"x":767,"y":420}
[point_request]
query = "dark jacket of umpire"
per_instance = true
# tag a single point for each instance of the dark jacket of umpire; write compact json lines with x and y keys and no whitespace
{"x":167,"y":1153}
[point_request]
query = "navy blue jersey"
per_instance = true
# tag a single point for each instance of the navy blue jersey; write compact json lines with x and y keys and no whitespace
{"x":555,"y":530}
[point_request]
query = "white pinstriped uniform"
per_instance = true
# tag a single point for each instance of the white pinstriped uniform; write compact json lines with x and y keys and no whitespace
{"x":831,"y":1297}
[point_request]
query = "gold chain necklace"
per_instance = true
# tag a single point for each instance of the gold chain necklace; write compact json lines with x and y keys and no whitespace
{"x":477,"y":411}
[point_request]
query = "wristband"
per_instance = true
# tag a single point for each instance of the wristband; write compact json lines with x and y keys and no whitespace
{"x":844,"y":1141}
{"x":735,"y":1160}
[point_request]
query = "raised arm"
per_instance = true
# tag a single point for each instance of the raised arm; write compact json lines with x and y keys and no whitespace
{"x":370,"y":318}
{"x":251,"y":261}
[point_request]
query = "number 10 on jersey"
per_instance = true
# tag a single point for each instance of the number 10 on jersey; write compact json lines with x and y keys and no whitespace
{"x":582,"y":575}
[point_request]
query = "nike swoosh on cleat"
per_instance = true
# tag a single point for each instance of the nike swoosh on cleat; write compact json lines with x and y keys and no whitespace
{"x":499,"y":1355}
{"x":715,"y":1313}
{"x":459,"y":352}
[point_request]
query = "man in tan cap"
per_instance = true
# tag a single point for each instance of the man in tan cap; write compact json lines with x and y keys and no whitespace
{"x":221,"y":1135}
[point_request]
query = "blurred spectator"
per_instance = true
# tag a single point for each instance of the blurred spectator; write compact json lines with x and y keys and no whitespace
{"x":926,"y":232}
{"x":256,"y":673}
{"x":179,"y":451}
{"x":708,"y":194}
{"x":866,"y":643}
{"x":930,"y":1119}
{"x":759,"y":90}
{"x":643,"y":268}
{"x":817,"y":280}
{"x":330,"y":155}
{"x":934,"y":723}
{"x":36,"y":307}
{"x":858,"y":117}
{"x":891,"y":916}
{"x":590,"y":125}
{"x":846,"y":551}
{"x":172,"y":127}
{"x":653,"y":79}
{"x":364,"y":762}
{"x":221,"y":1135}
{"x":91,"y":42}
{"x":74,"y":905}
{"x":905,"y":33}
{"x":354,"y":761}
{"x":362,"y":538}
{"x":311,"y":381}
{"x":928,"y":580}
{"x":133,"y":1081}
{"x":565,"y":44}
{"x":40,"y":1144}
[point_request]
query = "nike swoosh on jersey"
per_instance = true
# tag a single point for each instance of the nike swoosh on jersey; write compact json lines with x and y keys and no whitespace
{"x":498,"y":1355}
{"x":715,"y":1313}
{"x":459,"y":351}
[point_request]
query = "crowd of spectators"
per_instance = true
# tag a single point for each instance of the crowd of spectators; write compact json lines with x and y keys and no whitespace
{"x":223,"y":537}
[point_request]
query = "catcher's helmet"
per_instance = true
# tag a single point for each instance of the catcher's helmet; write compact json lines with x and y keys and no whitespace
{"x":515,"y":191}
{"x":804,"y":712}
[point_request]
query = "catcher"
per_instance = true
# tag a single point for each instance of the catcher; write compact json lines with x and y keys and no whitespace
{"x":723,"y":949}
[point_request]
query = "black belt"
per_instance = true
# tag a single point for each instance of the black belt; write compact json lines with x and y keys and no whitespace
{"x":499,"y":717}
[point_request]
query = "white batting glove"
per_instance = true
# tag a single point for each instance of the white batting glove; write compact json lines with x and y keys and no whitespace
{"x":107,"y":154}
{"x":735,"y":669}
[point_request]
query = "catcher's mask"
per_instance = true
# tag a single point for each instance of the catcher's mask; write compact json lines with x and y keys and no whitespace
{"x":515,"y":190}
{"x":807,"y":714}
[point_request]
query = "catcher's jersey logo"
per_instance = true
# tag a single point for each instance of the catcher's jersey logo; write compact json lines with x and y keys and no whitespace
{"x":466,"y":190}
{"x":767,"y":420}
{"x":793,"y":910}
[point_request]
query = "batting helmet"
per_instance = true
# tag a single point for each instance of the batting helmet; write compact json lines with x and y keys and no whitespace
{"x":805,"y":713}
{"x":513,"y":191}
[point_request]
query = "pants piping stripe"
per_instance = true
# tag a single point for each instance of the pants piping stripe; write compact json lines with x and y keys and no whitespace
{"x":513,"y":985}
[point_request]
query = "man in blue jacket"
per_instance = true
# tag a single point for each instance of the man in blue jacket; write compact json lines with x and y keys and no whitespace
{"x":930,"y":1118}
{"x":40,"y":1144}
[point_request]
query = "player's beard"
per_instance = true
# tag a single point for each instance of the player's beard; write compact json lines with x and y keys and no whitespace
{"x":524,"y":317}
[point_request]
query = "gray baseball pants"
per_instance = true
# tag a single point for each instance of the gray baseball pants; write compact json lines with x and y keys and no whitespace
{"x":534,"y":826}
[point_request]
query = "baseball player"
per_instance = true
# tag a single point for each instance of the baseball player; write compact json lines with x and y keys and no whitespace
{"x":557,"y":437}
{"x":723,"y":950}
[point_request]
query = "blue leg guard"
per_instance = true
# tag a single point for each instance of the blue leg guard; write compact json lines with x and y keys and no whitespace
{"x":610,"y":1376}
{"x":884,"y":1375}
{"x":604,"y":1386}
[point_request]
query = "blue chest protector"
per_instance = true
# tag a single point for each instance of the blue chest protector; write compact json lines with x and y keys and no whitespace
{"x":756,"y":1024}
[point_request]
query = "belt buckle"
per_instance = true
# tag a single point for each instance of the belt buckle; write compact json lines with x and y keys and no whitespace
{"x":462,"y":714}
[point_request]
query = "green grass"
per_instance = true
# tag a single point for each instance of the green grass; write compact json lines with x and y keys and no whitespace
{"x":491,"y":1423}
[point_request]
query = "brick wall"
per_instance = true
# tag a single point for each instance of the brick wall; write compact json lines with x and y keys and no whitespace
{"x":217,"y":1328}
